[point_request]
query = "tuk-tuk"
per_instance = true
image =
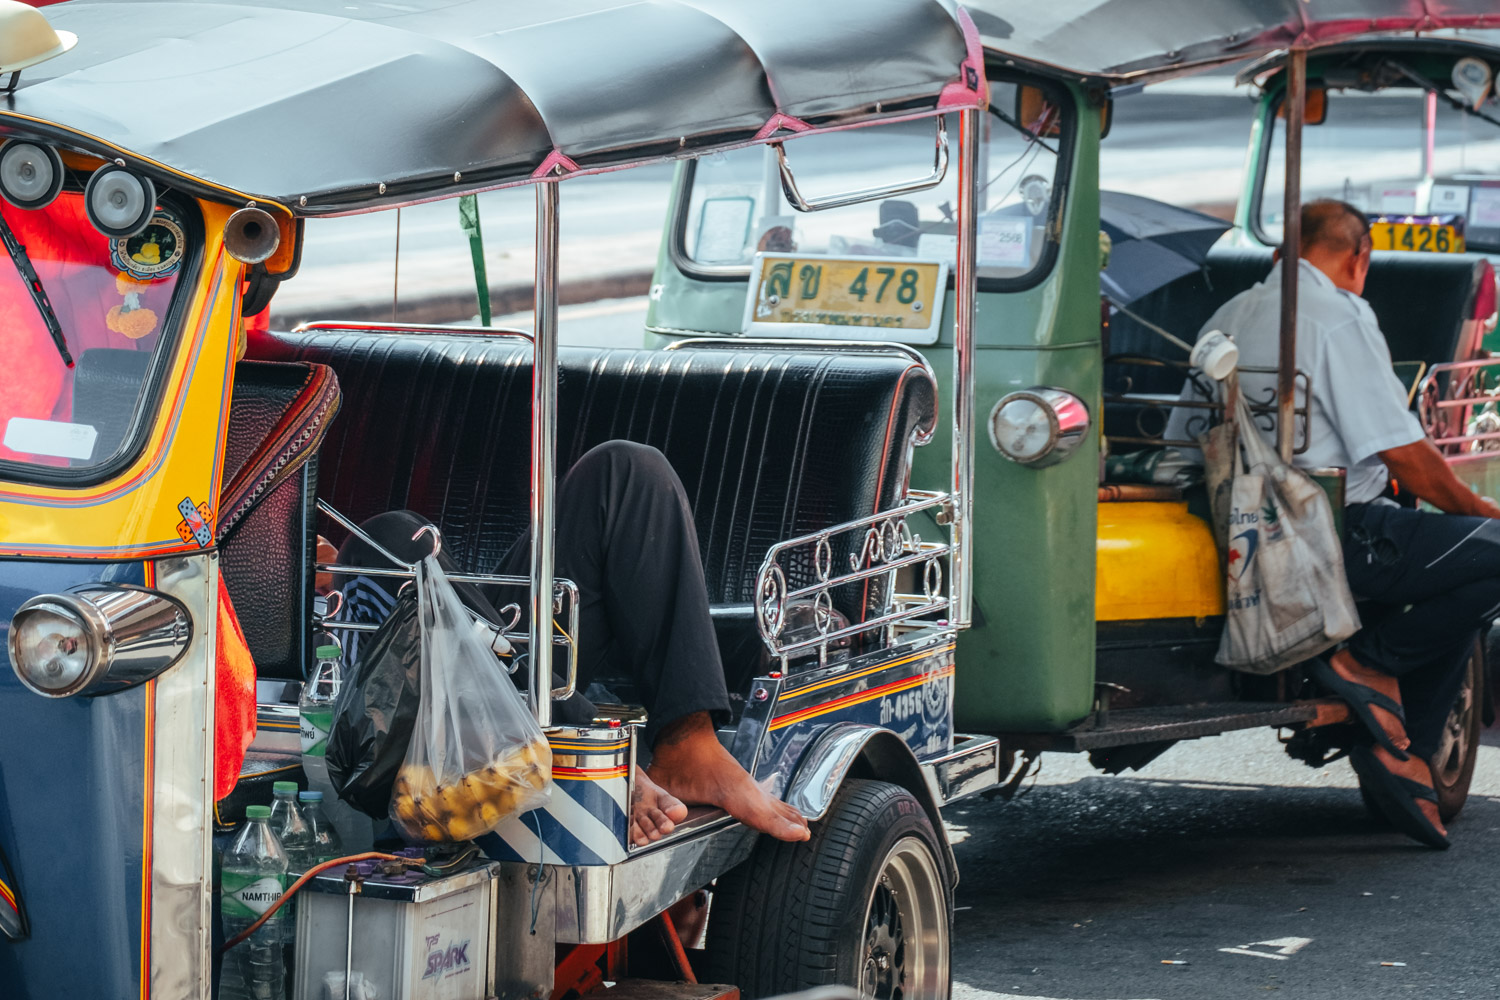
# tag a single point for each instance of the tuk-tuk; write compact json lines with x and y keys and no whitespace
{"x":1098,"y":593}
{"x":164,"y":477}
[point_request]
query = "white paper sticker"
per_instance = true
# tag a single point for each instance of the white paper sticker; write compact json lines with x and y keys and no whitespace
{"x":53,"y":438}
{"x":1004,"y":242}
{"x":1398,"y":201}
{"x":1448,"y":199}
{"x":1484,"y":210}
{"x":938,"y":245}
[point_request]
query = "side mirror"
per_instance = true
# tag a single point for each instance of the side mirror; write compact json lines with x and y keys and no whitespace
{"x":1036,"y":113}
{"x":1315,"y":109}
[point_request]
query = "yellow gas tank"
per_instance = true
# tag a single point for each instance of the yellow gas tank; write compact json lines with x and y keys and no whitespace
{"x":1155,"y":560}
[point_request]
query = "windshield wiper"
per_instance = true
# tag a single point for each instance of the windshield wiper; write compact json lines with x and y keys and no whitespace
{"x":34,"y":286}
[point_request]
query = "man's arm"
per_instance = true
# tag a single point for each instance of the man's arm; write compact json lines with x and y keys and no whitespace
{"x":1419,"y":468}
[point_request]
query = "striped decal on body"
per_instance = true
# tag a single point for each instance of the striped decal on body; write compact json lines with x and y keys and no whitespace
{"x":858,"y":697}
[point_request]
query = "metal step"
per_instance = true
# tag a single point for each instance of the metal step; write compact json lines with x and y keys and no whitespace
{"x":1125,"y":726}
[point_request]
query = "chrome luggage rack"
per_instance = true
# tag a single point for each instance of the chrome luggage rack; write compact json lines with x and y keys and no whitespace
{"x":1264,"y":408}
{"x":564,"y":600}
{"x":884,"y":546}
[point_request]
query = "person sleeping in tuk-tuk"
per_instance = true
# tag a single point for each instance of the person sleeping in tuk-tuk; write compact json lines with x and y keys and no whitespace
{"x":1431,"y":580}
{"x":625,"y":536}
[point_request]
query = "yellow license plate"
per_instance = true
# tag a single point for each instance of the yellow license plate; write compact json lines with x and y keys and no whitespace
{"x":886,"y":299}
{"x":1417,"y":237}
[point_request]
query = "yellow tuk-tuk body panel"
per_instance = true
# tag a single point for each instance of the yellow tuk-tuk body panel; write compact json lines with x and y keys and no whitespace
{"x":1155,"y":560}
{"x":136,"y":513}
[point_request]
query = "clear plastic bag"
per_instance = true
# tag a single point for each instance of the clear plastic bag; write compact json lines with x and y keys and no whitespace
{"x":476,"y":756}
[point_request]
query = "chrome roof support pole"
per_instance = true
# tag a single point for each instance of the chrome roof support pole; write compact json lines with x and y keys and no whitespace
{"x":1295,"y":103}
{"x":543,"y":450}
{"x":965,"y":287}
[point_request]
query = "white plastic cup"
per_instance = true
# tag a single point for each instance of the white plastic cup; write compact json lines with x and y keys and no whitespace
{"x":1215,"y":355}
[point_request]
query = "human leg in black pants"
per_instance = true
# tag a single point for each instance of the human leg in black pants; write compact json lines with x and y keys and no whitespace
{"x":625,"y":536}
{"x":1432,"y":582}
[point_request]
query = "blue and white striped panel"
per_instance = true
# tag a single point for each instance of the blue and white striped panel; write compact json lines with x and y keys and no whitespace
{"x":587,"y":820}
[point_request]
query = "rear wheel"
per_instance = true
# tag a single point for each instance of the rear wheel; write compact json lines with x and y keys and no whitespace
{"x":1453,"y":765}
{"x":865,"y":903}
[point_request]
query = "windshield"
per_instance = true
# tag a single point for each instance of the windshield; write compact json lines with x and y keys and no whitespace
{"x":113,"y":301}
{"x":737,"y":207}
{"x":1373,"y":151}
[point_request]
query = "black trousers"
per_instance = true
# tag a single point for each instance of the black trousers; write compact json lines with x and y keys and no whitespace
{"x":1432,"y":583}
{"x":625,"y":536}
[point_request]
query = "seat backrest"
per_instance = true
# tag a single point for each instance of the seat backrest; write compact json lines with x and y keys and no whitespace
{"x":267,"y":529}
{"x":768,"y":444}
{"x":1425,"y":304}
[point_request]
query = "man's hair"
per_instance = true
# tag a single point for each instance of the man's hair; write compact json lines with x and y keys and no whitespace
{"x":1333,"y":225}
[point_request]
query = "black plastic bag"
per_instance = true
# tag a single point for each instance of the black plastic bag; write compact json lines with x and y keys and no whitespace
{"x":376,"y":710}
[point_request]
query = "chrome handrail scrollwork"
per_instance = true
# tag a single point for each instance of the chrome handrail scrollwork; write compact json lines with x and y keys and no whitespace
{"x":880,"y":546}
{"x":1458,"y":404}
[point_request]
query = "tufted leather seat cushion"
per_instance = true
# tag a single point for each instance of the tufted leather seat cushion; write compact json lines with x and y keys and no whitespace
{"x":769,"y":444}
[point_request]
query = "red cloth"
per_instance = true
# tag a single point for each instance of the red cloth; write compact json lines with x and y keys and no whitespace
{"x":234,"y":699}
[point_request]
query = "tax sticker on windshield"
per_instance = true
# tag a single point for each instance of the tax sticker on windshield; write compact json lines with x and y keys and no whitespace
{"x":154,"y":252}
{"x":52,"y":438}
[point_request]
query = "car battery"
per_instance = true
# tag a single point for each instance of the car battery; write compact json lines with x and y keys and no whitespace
{"x":402,"y":935}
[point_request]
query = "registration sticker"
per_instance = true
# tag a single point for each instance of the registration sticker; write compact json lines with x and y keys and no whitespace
{"x":52,"y":438}
{"x":846,"y":298}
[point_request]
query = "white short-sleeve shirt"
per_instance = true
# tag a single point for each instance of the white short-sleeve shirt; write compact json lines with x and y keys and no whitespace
{"x":1358,"y":406}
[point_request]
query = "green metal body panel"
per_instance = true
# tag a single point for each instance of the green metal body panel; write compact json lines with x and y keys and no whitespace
{"x":1028,"y":662}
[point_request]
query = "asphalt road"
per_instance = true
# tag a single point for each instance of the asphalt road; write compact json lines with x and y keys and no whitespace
{"x":1083,"y":888}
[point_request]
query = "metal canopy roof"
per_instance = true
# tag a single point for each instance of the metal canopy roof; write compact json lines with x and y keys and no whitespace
{"x":286,"y":100}
{"x":1120,"y":41}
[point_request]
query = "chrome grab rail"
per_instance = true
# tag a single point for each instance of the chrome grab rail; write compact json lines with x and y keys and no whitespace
{"x":887,"y":546}
{"x":1452,"y":395}
{"x":321,"y":325}
{"x":1154,"y":404}
{"x":564,"y":594}
{"x":796,"y":200}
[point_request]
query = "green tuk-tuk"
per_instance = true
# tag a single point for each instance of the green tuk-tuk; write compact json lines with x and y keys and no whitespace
{"x":1098,"y":593}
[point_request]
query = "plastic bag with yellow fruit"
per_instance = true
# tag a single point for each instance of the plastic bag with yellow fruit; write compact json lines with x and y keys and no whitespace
{"x":476,"y":756}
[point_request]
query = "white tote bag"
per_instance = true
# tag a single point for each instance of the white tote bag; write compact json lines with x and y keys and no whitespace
{"x":1287,"y":598}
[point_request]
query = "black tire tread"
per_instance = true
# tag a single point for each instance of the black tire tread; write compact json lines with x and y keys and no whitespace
{"x":764,"y":956}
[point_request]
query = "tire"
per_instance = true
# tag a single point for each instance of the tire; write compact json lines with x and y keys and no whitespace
{"x":866,"y":903}
{"x":1452,"y":766}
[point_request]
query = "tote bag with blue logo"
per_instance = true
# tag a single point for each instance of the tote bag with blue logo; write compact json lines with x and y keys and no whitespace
{"x":1286,"y":596}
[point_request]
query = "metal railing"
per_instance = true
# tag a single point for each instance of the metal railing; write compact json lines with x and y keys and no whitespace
{"x":1458,"y":404}
{"x":565,"y":604}
{"x":883,"y":545}
{"x":1265,"y":407}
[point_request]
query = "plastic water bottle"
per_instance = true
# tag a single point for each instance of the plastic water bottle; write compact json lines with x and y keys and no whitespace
{"x":290,"y":826}
{"x":355,"y":829}
{"x":254,"y":878}
{"x":326,"y":842}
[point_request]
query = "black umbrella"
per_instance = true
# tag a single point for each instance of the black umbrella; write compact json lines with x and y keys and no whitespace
{"x":1154,"y":243}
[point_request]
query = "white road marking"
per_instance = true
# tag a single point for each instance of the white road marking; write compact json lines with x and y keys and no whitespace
{"x":1281,"y":948}
{"x":963,"y":991}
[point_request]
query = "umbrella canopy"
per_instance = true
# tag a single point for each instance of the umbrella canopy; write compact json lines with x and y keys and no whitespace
{"x":1154,"y":244}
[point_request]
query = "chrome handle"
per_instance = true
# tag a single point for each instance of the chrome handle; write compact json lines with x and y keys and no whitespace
{"x":801,"y":204}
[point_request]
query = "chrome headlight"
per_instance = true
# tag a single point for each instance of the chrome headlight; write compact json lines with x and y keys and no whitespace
{"x":1038,"y":426}
{"x":96,"y":639}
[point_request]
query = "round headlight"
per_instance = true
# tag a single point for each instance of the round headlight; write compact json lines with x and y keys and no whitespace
{"x":1038,"y":426}
{"x":56,"y":648}
{"x":30,"y":175}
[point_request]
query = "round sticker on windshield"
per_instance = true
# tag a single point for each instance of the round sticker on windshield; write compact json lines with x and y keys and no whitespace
{"x":154,"y":252}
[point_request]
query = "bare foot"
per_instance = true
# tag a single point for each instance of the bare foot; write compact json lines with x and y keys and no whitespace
{"x":654,"y":813}
{"x":1346,"y":666}
{"x":689,"y":762}
{"x":1416,"y":770}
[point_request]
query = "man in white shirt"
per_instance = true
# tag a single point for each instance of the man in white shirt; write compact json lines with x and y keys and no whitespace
{"x":1430,"y":581}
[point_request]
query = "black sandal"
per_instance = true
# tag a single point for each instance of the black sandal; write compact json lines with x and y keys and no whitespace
{"x":1360,"y":699}
{"x":1396,"y":797}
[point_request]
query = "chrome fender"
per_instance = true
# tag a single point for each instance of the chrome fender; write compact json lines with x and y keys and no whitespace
{"x":852,"y":749}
